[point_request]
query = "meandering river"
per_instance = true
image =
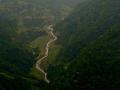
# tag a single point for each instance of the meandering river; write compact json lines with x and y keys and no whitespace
{"x":38,"y":63}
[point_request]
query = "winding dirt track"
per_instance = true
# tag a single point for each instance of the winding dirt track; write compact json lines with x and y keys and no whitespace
{"x":46,"y":53}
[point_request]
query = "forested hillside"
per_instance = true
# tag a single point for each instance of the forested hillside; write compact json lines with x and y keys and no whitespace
{"x":15,"y":61}
{"x":86,"y":55}
{"x":32,"y":15}
{"x":90,"y":54}
{"x":21,"y":22}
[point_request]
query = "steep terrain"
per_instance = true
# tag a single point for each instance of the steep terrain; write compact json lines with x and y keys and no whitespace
{"x":21,"y":22}
{"x":90,"y":39}
{"x":15,"y":61}
{"x":85,"y":57}
{"x":32,"y":15}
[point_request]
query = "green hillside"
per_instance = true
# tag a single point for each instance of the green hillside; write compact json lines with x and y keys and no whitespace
{"x":22,"y":22}
{"x":32,"y":15}
{"x":90,"y":39}
{"x":15,"y":61}
{"x":86,"y":55}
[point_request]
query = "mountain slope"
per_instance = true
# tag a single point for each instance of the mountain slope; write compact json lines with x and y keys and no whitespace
{"x":88,"y":58}
{"x":90,"y":39}
{"x":15,"y":61}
